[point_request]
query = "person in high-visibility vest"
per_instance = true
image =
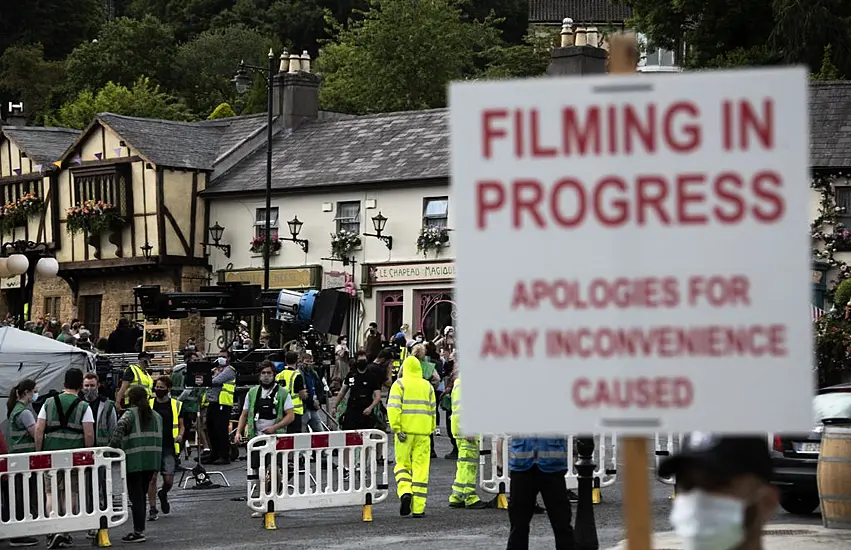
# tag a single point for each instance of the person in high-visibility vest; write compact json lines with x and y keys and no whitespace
{"x":135,"y":375}
{"x":171,"y":411}
{"x":103,"y":409}
{"x":268,"y":408}
{"x":294,"y":382}
{"x":22,"y":422}
{"x":467,"y":465}
{"x":411,"y":413}
{"x":402,"y":345}
{"x":220,"y":397}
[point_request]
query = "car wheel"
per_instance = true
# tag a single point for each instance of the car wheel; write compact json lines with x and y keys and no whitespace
{"x":800,"y":505}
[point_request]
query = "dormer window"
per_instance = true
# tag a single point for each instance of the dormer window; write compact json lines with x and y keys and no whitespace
{"x":108,"y":183}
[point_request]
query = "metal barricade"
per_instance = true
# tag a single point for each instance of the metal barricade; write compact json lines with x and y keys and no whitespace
{"x":671,"y":444}
{"x":316,"y":470}
{"x":494,"y":476}
{"x":62,"y":491}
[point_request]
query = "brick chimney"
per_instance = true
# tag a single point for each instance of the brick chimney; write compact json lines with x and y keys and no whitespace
{"x":296,"y":90}
{"x":15,"y":115}
{"x":577,"y":60}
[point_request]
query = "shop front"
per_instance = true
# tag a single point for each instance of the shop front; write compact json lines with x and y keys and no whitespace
{"x":417,"y":294}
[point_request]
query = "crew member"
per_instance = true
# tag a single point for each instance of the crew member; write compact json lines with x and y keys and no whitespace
{"x":294,"y":382}
{"x":364,"y":390}
{"x":64,"y":423}
{"x":174,"y":428}
{"x":538,"y":465}
{"x":467,"y":466}
{"x":220,"y":399}
{"x":103,"y":409}
{"x":268,"y":408}
{"x":401,"y":344}
{"x":411,"y":412}
{"x":724,"y":491}
{"x":22,"y":422}
{"x":135,"y":375}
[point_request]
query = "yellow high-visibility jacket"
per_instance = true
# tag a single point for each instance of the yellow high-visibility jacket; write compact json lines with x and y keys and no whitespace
{"x":411,"y":407}
{"x":455,"y":419}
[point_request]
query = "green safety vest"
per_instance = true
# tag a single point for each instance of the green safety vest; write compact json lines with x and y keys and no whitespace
{"x":144,"y":448}
{"x":20,"y":439}
{"x":176,"y":406}
{"x":103,"y":431}
{"x":279,"y":400}
{"x":140,"y":378}
{"x":59,"y":436}
{"x":428,"y":369}
{"x":397,"y":363}
{"x":288,"y":376}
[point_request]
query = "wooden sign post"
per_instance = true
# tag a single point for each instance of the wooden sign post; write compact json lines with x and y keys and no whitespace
{"x":623,"y":59}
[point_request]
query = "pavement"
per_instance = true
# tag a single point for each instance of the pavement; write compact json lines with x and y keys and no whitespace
{"x":218,"y":519}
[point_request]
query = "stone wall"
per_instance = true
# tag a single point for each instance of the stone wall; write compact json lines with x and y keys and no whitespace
{"x":116,"y":292}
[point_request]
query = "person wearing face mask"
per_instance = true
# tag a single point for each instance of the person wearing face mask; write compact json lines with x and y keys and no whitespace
{"x":103,"y":409}
{"x":364,"y":391}
{"x":311,"y":421}
{"x":220,"y":399}
{"x":268,"y":408}
{"x":292,"y":379}
{"x":171,"y":412}
{"x":135,"y":375}
{"x":22,"y":422}
{"x":374,"y":342}
{"x":724,"y":492}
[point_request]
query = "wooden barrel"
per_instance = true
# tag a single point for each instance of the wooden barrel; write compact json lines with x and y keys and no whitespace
{"x":834,"y":476}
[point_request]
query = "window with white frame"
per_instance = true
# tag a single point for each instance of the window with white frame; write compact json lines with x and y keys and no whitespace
{"x":435,"y":211}
{"x":348,"y":216}
{"x":260,"y":222}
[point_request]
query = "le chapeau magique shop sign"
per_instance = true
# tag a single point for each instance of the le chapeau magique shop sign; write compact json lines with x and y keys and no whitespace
{"x":411,"y":273}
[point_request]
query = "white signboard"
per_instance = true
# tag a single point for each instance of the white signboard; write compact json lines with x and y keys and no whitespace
{"x":652,"y":237}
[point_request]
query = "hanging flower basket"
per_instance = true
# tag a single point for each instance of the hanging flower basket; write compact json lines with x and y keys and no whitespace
{"x":432,"y":239}
{"x":343,"y":243}
{"x":258,"y":244}
{"x":93,"y":217}
{"x":30,"y":205}
{"x":11,"y":216}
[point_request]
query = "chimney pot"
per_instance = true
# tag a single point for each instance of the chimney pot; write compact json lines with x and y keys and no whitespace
{"x":592,"y":37}
{"x":305,"y":61}
{"x":567,"y":32}
{"x":295,"y":63}
{"x":285,"y":62}
{"x":580,"y":36}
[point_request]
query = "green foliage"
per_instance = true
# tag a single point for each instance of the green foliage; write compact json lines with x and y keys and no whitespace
{"x":832,"y":349}
{"x":27,"y":76}
{"x":59,"y":25}
{"x":222,"y":111}
{"x":125,"y":50}
{"x":842,"y":295}
{"x":297,"y":24}
{"x":827,"y":71}
{"x":804,"y":29}
{"x":143,"y":99}
{"x":205,"y":66}
{"x":401,"y":55}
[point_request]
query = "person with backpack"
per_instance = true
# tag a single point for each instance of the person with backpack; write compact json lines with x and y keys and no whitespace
{"x":65,"y":422}
{"x":22,"y":421}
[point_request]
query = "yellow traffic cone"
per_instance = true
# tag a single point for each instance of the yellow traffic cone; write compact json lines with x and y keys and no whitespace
{"x":103,"y":538}
{"x":269,"y":518}
{"x":367,"y":508}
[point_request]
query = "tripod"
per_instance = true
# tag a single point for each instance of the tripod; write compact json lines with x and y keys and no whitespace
{"x":198,"y":474}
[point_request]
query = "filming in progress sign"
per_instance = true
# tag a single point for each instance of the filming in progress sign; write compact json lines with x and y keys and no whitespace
{"x":655,"y":261}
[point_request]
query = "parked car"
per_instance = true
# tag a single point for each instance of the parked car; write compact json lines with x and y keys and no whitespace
{"x":795,"y":456}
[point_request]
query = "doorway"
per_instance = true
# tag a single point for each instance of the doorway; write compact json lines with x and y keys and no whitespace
{"x":90,"y":314}
{"x":392,"y":309}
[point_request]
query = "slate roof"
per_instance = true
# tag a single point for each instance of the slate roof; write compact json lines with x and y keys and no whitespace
{"x":236,"y":130}
{"x":42,"y":145}
{"x":403,"y":146}
{"x":830,"y":124}
{"x":581,"y":11}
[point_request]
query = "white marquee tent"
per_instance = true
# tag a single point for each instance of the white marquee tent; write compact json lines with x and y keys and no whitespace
{"x":28,"y":355}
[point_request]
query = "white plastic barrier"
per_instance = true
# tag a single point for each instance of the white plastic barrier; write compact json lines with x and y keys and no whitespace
{"x":316,"y":470}
{"x":494,"y":477}
{"x":671,"y":445}
{"x":62,"y":491}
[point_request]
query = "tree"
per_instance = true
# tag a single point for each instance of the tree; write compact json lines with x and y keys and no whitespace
{"x":222,"y":111}
{"x":297,"y":24}
{"x":143,"y":99}
{"x":125,"y":50}
{"x":804,"y":30}
{"x":402,"y":55}
{"x":26,"y":76}
{"x":58,"y":25}
{"x":205,"y":66}
{"x":828,"y":71}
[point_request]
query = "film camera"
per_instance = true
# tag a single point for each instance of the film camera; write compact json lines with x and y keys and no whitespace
{"x":316,"y":343}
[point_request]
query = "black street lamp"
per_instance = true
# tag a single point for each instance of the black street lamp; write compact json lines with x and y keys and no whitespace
{"x":216,"y":232}
{"x":295,"y":228}
{"x":378,"y":223}
{"x":25,"y":259}
{"x":146,"y":250}
{"x":242,"y":81}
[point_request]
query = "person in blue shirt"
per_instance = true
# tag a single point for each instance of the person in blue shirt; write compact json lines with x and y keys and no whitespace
{"x":538,"y":466}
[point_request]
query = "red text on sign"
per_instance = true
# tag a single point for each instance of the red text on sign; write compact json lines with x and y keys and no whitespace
{"x":719,"y":291}
{"x":621,"y":293}
{"x":630,"y":393}
{"x":509,"y":343}
{"x":725,"y":198}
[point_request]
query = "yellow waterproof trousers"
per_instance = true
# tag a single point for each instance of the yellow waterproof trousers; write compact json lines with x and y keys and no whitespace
{"x":413,"y":458}
{"x":466,"y":473}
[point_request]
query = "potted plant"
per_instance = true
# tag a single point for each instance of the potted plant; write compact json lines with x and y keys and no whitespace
{"x":258,"y":244}
{"x":11,"y":216}
{"x":92,"y":217}
{"x":30,"y":205}
{"x":432,"y":238}
{"x":343,"y":243}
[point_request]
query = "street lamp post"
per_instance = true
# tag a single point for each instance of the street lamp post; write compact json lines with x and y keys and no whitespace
{"x":243,"y":82}
{"x":24,"y":259}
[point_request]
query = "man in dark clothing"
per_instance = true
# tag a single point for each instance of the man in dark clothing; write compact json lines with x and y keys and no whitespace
{"x":373,"y":342}
{"x":365,"y":390}
{"x":123,"y":338}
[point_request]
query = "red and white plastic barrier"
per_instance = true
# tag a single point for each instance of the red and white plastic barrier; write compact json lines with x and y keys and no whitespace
{"x":62,"y":491}
{"x":316,"y":470}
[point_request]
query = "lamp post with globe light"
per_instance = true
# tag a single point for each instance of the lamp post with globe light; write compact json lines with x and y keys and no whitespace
{"x":25,"y":259}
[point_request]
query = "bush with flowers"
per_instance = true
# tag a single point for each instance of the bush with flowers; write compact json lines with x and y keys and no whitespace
{"x":432,"y":238}
{"x":93,"y":217}
{"x":343,"y":243}
{"x":258,"y":244}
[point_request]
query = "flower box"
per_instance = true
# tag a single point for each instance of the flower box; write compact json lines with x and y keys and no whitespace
{"x":92,"y":217}
{"x":343,"y":244}
{"x":432,"y":239}
{"x":258,"y":245}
